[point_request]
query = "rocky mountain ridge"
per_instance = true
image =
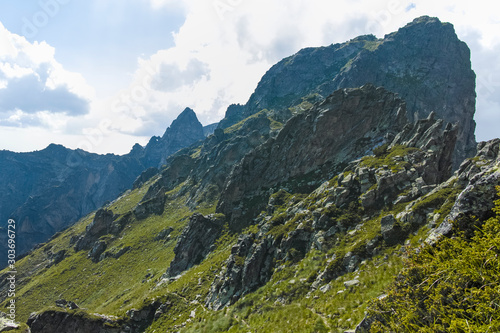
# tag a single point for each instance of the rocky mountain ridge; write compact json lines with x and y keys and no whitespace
{"x":424,"y":62}
{"x":411,"y":173}
{"x":292,"y":219}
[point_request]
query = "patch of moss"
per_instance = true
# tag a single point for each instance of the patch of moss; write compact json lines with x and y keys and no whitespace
{"x":389,"y":158}
{"x":442,"y":201}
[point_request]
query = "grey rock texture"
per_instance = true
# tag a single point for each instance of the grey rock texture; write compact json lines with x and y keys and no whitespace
{"x":100,"y":226}
{"x":391,"y":232}
{"x":248,"y":267}
{"x":195,"y":242}
{"x":184,"y":131}
{"x":345,"y":126}
{"x":424,"y":62}
{"x":71,"y":319}
{"x":417,"y":168}
{"x":61,"y":321}
{"x":481,"y":176}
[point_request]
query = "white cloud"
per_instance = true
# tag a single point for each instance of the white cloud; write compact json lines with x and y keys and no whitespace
{"x":223,"y":49}
{"x":35,"y":90}
{"x":238,"y":40}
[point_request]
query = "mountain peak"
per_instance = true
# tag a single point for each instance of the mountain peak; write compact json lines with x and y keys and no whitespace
{"x":424,"y":62}
{"x":185,"y":130}
{"x":186,"y":124}
{"x":186,"y":119}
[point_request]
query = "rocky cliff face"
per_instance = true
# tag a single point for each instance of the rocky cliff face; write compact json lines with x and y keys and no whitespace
{"x":56,"y":186}
{"x":424,"y":62}
{"x":290,"y":226}
{"x":345,"y":126}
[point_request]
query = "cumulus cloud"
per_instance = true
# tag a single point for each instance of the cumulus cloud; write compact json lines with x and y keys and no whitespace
{"x":34,"y":86}
{"x":170,"y":76}
{"x":220,"y":53}
{"x":224,"y":47}
{"x":29,"y":93}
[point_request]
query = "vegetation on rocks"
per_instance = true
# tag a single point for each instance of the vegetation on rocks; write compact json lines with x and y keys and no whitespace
{"x":450,"y":287}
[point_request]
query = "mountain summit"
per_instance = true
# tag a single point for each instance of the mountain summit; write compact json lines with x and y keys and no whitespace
{"x":424,"y":62}
{"x":184,"y":131}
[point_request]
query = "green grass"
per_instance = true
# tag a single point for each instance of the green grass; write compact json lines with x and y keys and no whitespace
{"x":236,"y":127}
{"x":111,"y":286}
{"x":387,"y":158}
{"x":451,"y":287}
{"x":287,"y":303}
{"x":442,"y":200}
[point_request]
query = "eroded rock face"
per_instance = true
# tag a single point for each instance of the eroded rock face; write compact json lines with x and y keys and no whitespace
{"x":481,"y":176}
{"x":62,"y":321}
{"x":431,"y":134}
{"x":101,"y":225}
{"x":414,"y":163}
{"x":347,"y":125}
{"x":248,"y":267}
{"x":152,"y":204}
{"x":195,"y":242}
{"x":424,"y":62}
{"x":72,"y":319}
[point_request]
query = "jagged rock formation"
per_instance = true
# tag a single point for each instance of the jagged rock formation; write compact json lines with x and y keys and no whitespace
{"x":479,"y":176}
{"x":104,"y":223}
{"x":249,"y":266}
{"x":184,"y":131}
{"x":195,"y":243}
{"x":344,"y":127}
{"x":413,"y":163}
{"x":424,"y":62}
{"x":314,"y":211}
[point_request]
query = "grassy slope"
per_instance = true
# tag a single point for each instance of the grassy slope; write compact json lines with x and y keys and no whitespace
{"x":111,"y":286}
{"x":285,"y":304}
{"x":452,"y":287}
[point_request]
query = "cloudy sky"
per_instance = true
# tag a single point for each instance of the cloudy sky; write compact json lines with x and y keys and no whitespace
{"x":102,"y":75}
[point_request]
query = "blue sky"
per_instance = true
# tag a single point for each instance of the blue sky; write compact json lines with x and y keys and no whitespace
{"x":103,"y":74}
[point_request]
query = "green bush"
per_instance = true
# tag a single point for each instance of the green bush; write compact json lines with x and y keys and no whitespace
{"x":381,"y":150}
{"x":452,"y":287}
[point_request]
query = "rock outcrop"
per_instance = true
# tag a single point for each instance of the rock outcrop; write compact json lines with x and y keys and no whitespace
{"x":481,"y":176}
{"x":77,"y":322}
{"x":424,"y":62}
{"x":409,"y":165}
{"x":344,"y":127}
{"x":195,"y":242}
{"x":248,"y":267}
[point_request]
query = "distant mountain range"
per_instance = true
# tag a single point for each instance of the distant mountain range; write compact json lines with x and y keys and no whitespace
{"x":48,"y":190}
